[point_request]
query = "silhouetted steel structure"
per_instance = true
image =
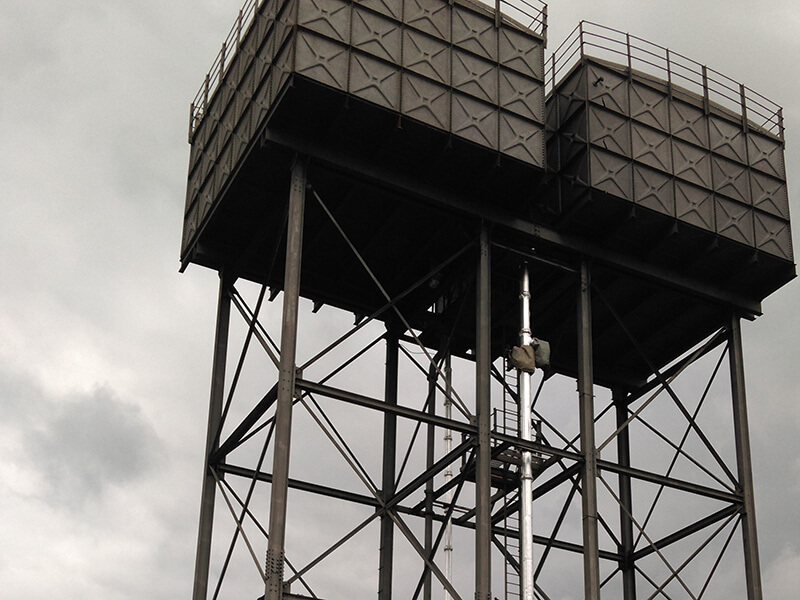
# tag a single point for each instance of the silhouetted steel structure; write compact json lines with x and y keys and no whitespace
{"x":401,"y":160}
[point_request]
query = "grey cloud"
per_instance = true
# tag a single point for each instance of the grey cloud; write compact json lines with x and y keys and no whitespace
{"x":87,"y":443}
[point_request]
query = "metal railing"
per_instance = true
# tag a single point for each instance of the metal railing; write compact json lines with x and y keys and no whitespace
{"x":199,"y":106}
{"x":605,"y":43}
{"x":532,"y":14}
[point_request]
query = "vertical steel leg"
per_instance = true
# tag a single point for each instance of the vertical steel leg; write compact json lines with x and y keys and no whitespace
{"x":591,"y":559}
{"x":386,"y":557}
{"x":743,"y":459}
{"x":203,"y":557}
{"x":448,"y":476}
{"x":286,"y":377}
{"x":626,"y":506}
{"x":483,"y":364}
{"x":429,"y":458}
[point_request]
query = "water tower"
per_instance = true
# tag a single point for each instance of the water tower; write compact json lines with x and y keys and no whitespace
{"x":421,"y":166}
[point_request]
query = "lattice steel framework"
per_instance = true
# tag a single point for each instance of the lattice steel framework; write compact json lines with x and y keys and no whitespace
{"x":643,"y":476}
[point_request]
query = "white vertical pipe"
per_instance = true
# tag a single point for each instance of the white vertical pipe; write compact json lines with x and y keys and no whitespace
{"x":525,"y":433}
{"x":448,"y":475}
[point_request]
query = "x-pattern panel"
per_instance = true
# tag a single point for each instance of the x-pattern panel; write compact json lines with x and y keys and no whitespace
{"x":689,"y":123}
{"x":426,"y":101}
{"x":766,"y":155}
{"x":611,"y":174}
{"x":730,"y":179}
{"x":609,"y":131}
{"x":475,"y":121}
{"x":727,"y":139}
{"x":328,"y":17}
{"x":691,"y":163}
{"x":322,"y":60}
{"x":649,"y":106}
{"x":773,"y":235}
{"x":376,"y":35}
{"x":475,"y":76}
{"x":474,"y":33}
{"x":518,"y":52}
{"x":608,"y":89}
{"x":517,"y":139}
{"x":694,"y":205}
{"x":375,"y":81}
{"x":430,"y":16}
{"x":521,"y":95}
{"x":426,"y":56}
{"x":652,"y":148}
{"x":654,"y":190}
{"x":769,"y":195}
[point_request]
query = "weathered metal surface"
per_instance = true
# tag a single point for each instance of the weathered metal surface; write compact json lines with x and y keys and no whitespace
{"x":632,"y":136}
{"x":478,"y":79}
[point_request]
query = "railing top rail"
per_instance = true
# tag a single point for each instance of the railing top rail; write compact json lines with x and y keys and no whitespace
{"x":601,"y":42}
{"x":215,"y":74}
{"x":531,"y":14}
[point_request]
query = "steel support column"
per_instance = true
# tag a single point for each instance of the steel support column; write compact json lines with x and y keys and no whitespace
{"x":286,"y":378}
{"x":386,"y":556}
{"x":483,"y":408}
{"x":429,"y":460}
{"x":744,"y":462}
{"x":626,"y":505}
{"x":448,"y":476}
{"x":591,"y":561}
{"x":202,"y":559}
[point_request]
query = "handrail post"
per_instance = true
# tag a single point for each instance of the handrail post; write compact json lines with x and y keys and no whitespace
{"x":780,"y":122}
{"x":706,"y":102}
{"x":544,"y":24}
{"x":669,"y":72}
{"x":222,"y":61}
{"x":206,"y":85}
{"x":628,"y":49}
{"x":743,"y":100}
{"x":239,"y":31}
{"x":580,"y":35}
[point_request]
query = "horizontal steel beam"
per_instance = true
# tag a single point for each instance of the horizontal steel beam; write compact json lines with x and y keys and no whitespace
{"x":365,"y":169}
{"x":669,"y":482}
{"x":424,"y":417}
{"x":370,"y":501}
{"x":303,"y":486}
{"x":367,"y":402}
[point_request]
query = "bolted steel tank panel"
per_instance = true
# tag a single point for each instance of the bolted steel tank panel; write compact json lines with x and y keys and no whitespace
{"x":459,"y":67}
{"x":695,"y":148}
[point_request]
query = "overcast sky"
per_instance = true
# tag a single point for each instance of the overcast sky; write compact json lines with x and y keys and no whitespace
{"x":105,"y":349}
